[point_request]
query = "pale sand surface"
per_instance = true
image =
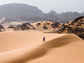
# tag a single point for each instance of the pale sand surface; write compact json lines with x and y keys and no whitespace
{"x":27,"y":47}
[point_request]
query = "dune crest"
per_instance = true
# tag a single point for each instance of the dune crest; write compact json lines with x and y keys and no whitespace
{"x":38,"y":51}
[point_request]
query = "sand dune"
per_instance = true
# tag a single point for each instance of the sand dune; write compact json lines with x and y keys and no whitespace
{"x":27,"y":47}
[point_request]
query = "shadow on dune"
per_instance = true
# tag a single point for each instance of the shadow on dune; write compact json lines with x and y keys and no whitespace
{"x":42,"y":49}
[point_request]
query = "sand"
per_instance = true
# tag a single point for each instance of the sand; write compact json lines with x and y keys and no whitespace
{"x":27,"y":47}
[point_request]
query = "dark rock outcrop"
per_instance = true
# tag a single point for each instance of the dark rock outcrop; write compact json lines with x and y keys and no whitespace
{"x":11,"y":27}
{"x":38,"y":24}
{"x":1,"y":27}
{"x":76,"y":27}
{"x":24,"y":26}
{"x":45,"y":27}
{"x":55,"y":25}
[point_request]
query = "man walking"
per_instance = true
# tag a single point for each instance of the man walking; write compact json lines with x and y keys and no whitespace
{"x":44,"y":39}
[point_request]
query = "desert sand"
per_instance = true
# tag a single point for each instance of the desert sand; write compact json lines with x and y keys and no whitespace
{"x":27,"y":47}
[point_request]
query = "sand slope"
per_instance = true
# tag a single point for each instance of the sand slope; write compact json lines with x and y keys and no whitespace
{"x":57,"y":49}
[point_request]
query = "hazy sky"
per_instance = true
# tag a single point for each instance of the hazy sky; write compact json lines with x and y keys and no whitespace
{"x":48,"y":5}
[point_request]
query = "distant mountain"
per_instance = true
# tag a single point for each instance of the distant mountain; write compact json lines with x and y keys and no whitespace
{"x":50,"y":17}
{"x":82,"y":13}
{"x":54,"y":13}
{"x":68,"y":16}
{"x":8,"y":20}
{"x":23,"y":12}
{"x":17,"y":10}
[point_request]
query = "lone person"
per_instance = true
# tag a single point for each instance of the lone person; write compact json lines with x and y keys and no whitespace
{"x":44,"y":39}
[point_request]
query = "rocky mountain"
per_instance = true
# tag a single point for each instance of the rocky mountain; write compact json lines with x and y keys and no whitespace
{"x":69,"y":16}
{"x":2,"y":19}
{"x":54,"y":13}
{"x":18,"y":10}
{"x":23,"y":12}
{"x":8,"y":20}
{"x":50,"y":17}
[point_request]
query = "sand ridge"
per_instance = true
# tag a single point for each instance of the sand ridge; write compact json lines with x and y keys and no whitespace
{"x":38,"y":53}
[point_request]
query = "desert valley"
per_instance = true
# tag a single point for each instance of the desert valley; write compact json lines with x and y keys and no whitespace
{"x":23,"y":27}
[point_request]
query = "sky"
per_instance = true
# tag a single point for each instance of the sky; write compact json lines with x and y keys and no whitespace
{"x":46,"y":6}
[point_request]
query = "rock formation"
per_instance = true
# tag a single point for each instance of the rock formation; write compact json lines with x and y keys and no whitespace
{"x":24,"y":26}
{"x":47,"y":24}
{"x":76,"y":27}
{"x":1,"y":28}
